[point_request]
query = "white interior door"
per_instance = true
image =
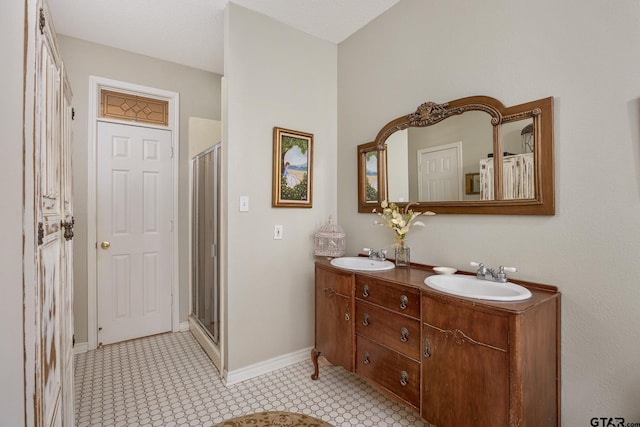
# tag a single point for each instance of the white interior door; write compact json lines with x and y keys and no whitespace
{"x":134,"y":231}
{"x":439,"y":176}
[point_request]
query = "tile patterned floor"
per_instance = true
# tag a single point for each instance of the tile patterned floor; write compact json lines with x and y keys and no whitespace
{"x":167,"y":380}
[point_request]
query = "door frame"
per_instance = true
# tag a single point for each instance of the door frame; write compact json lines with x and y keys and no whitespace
{"x":454,"y":145}
{"x":95,"y":85}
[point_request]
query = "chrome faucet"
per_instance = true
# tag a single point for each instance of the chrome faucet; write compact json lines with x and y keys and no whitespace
{"x":485,"y":273}
{"x":380,"y":255}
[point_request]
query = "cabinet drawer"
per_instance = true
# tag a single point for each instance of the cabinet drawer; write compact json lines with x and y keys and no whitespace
{"x":466,"y":323}
{"x":399,"y":298}
{"x":398,"y":374}
{"x":393,"y":330}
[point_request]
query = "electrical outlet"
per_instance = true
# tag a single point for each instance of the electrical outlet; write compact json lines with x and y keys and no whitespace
{"x":277,"y":232}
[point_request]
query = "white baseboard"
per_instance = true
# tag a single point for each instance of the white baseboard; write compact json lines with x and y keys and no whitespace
{"x":252,"y":371}
{"x":80,"y":347}
{"x":184,"y":326}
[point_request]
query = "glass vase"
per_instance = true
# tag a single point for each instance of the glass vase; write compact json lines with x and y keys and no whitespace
{"x":403,"y":254}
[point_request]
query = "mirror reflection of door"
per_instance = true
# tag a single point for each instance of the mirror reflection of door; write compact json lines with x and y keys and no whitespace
{"x":474,"y":131}
{"x":440,"y":173}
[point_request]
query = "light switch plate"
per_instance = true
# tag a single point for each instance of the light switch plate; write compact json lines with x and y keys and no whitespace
{"x":277,"y":232}
{"x":244,"y":203}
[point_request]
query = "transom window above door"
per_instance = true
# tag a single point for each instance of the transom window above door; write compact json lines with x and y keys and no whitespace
{"x":124,"y":106}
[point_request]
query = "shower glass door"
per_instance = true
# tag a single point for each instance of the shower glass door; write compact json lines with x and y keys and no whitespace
{"x":206,"y":229}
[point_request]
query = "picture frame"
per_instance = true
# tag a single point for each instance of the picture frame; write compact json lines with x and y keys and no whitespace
{"x":292,"y":168}
{"x":472,"y":183}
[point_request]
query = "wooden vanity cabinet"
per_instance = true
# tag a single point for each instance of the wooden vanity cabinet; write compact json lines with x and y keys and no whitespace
{"x":456,"y":361}
{"x":334,"y":324}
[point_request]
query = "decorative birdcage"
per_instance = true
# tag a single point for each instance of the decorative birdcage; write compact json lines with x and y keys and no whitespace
{"x":330,"y":240}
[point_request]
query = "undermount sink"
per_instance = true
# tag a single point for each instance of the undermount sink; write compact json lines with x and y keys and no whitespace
{"x":471,"y":287}
{"x":361,"y":264}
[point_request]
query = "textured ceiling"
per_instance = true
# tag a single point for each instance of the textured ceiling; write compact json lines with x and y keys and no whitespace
{"x":190,"y":32}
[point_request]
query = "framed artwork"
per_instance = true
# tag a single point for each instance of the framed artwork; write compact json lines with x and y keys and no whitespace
{"x":472,"y":183}
{"x":371,"y":176}
{"x":292,"y":168}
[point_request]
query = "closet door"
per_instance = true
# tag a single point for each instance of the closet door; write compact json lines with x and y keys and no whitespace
{"x":49,"y":251}
{"x":68,"y":223}
{"x":48,"y":321}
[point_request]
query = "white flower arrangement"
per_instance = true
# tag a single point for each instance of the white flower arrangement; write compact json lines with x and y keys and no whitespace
{"x":399,"y":220}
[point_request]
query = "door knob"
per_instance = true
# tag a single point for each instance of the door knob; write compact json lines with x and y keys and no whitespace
{"x":105,"y":245}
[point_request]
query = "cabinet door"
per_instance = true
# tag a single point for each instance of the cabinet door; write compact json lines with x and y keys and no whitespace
{"x":465,"y":382}
{"x":335,"y":331}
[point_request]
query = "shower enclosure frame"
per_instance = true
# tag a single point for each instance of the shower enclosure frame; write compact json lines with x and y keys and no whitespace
{"x":206,"y":325}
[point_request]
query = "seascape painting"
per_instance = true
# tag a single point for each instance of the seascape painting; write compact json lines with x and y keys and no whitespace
{"x":292,"y":163}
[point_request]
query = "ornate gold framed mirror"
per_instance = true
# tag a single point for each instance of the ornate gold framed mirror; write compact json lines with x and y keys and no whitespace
{"x":427,"y":157}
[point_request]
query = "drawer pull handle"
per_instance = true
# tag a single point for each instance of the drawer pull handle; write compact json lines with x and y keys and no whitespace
{"x":365,"y":291}
{"x":404,"y":334}
{"x":404,"y":378}
{"x":347,"y":316}
{"x":366,"y":358}
{"x":404,"y":300}
{"x":427,"y":348}
{"x":365,"y":321}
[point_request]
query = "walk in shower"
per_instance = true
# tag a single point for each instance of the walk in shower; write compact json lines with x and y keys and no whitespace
{"x":205,"y":292}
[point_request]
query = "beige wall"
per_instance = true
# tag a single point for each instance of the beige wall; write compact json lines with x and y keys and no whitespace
{"x":584,"y":53}
{"x":11,"y":111}
{"x":199,"y":96}
{"x":203,"y":134}
{"x":275,"y":76}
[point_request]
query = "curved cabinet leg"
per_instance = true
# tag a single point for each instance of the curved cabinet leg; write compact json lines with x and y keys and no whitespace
{"x":314,"y":358}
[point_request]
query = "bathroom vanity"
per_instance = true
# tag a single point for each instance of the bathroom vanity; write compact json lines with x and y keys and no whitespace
{"x":457,"y":361}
